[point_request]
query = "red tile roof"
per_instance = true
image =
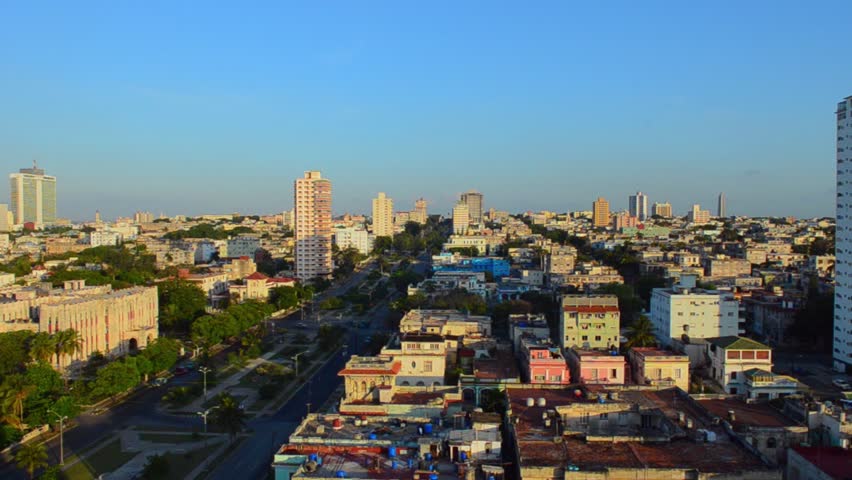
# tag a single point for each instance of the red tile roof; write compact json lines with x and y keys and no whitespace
{"x":395,"y":368}
{"x":257,"y":276}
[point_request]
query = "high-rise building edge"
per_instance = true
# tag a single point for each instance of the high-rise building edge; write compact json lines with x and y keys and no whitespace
{"x":473,"y":199}
{"x":638,"y":206}
{"x":842,"y":342}
{"x":721,"y":209}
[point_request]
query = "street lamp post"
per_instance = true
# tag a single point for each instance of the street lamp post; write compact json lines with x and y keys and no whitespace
{"x":295,"y":358}
{"x":204,"y":415}
{"x":204,"y":371}
{"x":62,"y":419}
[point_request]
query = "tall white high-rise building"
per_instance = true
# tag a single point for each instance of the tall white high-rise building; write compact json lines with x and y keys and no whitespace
{"x":312,"y":215}
{"x":639,"y":206}
{"x":473,"y":200}
{"x":842,"y":350}
{"x":721,"y":211}
{"x":461,"y":218}
{"x":33,"y":196}
{"x":383,"y":216}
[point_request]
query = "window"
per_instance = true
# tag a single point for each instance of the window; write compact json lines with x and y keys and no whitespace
{"x":733,"y":355}
{"x":585,"y":338}
{"x":677,"y":373}
{"x":540,"y":378}
{"x":427,"y":365}
{"x":413,"y":364}
{"x":614,"y":373}
{"x":733,"y":375}
{"x":771,"y":442}
{"x":604,"y":416}
{"x":597,"y":338}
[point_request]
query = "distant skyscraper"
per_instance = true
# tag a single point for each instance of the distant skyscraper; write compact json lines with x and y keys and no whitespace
{"x":698,"y":216}
{"x":313,"y":226}
{"x":5,"y":224}
{"x":383,"y":216}
{"x":33,"y":196}
{"x":461,"y":218}
{"x":600,"y":212}
{"x":473,"y":199}
{"x":663,"y":210}
{"x":721,"y":211}
{"x":97,"y":216}
{"x":639,"y":206}
{"x":843,"y":244}
{"x":420,"y":213}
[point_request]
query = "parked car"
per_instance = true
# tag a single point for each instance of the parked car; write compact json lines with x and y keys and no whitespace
{"x":841,"y":384}
{"x":181,"y":371}
{"x":159,"y":382}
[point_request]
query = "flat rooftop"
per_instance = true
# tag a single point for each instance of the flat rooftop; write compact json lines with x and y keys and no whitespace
{"x":398,"y":430}
{"x":747,"y":414}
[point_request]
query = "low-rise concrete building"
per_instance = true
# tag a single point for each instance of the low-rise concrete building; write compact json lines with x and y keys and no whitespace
{"x":659,"y":368}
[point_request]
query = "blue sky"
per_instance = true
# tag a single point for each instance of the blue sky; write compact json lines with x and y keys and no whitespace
{"x":187,"y":107}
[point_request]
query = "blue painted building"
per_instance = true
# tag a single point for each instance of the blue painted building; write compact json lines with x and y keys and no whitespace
{"x":497,"y":267}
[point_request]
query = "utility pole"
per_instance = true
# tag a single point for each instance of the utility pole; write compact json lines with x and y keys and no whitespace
{"x":62,"y":419}
{"x":204,"y":371}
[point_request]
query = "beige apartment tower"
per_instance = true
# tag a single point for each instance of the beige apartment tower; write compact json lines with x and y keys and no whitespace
{"x":663,"y":210}
{"x":461,"y":218}
{"x":33,"y":196}
{"x":383,"y":216}
{"x":312,"y":218}
{"x":420,"y":214}
{"x":473,"y":200}
{"x":600,"y":213}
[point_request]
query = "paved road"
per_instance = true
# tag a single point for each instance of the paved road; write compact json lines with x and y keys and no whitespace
{"x":253,"y":458}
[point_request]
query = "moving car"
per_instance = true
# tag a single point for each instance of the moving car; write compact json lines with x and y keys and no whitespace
{"x":841,"y":384}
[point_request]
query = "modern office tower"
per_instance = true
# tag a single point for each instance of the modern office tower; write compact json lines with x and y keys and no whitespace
{"x":383,"y":216}
{"x":639,"y":206}
{"x":600,"y":212}
{"x":97,"y":216}
{"x":473,"y":199}
{"x":720,"y":211}
{"x":5,"y":225}
{"x":313,"y":226}
{"x":420,"y":213}
{"x":461,"y":218}
{"x":663,"y":210}
{"x":698,"y":216}
{"x":33,"y":196}
{"x":842,"y":350}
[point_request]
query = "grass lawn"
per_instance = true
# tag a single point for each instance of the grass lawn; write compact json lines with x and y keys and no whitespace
{"x":180,"y":464}
{"x":104,"y":460}
{"x":168,"y":438}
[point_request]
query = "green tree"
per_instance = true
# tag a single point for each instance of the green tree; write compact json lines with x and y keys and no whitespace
{"x":31,"y":457}
{"x":68,"y":343}
{"x":13,"y":351}
{"x":284,"y":297}
{"x":13,"y":392}
{"x":42,"y":347}
{"x":181,"y":302}
{"x":115,"y":378}
{"x":162,"y":353}
{"x":229,"y":416}
{"x":156,"y":467}
{"x":641,"y":333}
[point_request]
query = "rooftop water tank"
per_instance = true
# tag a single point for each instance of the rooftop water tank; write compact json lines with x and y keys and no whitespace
{"x":530,"y":401}
{"x":541,"y":402}
{"x":340,"y":474}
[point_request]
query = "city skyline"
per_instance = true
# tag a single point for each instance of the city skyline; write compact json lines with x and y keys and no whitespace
{"x":530,"y":107}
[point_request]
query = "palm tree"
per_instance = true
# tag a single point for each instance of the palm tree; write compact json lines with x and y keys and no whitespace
{"x":229,"y":416}
{"x":42,"y":347}
{"x":68,"y":343}
{"x":641,"y":333}
{"x":13,"y":392}
{"x":31,"y":457}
